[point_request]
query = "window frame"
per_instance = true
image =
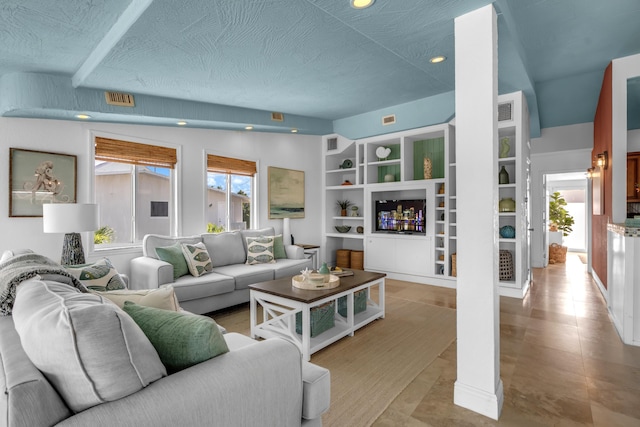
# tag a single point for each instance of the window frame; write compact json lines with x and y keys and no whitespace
{"x":175,"y":196}
{"x":255,"y":222}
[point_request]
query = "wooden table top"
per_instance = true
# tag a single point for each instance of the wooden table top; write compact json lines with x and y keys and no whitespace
{"x":283,"y":287}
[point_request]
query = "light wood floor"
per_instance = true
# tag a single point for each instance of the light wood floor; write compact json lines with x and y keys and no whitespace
{"x":562,"y":362}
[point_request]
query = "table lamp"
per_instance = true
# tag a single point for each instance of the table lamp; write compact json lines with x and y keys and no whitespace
{"x":71,"y":219}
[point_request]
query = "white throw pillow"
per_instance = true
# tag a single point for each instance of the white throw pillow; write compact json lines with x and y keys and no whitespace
{"x":164,"y":297}
{"x":198,"y":259}
{"x":89,"y":349}
{"x":98,"y":276}
{"x":260,"y":250}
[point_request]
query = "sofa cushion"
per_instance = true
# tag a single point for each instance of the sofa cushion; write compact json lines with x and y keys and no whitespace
{"x":278,"y":247}
{"x":225,"y":248}
{"x":88,"y":348}
{"x":174,"y":256}
{"x":198,"y":259}
{"x":245,"y":275}
{"x":27,"y":398}
{"x":260,"y":250}
{"x":290,"y":267}
{"x":188,"y":288}
{"x":163,"y":297}
{"x":181,"y":340}
{"x":152,"y":241}
{"x":98,"y":276}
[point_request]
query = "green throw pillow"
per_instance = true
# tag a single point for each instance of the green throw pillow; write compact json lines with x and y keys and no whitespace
{"x":278,"y":247}
{"x":181,"y":340}
{"x":174,"y":256}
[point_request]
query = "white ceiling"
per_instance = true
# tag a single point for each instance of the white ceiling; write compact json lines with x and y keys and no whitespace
{"x":314,"y":60}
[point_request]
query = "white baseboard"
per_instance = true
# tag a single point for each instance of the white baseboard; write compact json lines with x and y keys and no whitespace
{"x":480,"y":401}
{"x":504,"y":291}
{"x":603,"y":290}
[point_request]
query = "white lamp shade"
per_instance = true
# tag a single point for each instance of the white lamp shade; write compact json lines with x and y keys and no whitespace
{"x":69,"y":217}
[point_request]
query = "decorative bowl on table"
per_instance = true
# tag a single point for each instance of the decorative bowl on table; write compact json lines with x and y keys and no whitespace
{"x":343,"y":228}
{"x":315,"y":281}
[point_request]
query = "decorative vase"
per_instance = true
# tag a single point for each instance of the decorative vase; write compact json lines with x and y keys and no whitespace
{"x":428,"y":168}
{"x":507,"y":232}
{"x":324,"y":269}
{"x":507,"y":205}
{"x":503,"y":176}
{"x":343,"y":212}
{"x":354,"y":211}
{"x":389,"y":178}
{"x":504,"y":148}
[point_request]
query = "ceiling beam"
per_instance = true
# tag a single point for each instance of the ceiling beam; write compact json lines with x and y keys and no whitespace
{"x":126,"y":20}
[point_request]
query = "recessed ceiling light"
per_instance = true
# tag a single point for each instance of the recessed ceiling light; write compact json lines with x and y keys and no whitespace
{"x":248,"y":127}
{"x":181,"y":123}
{"x":361,"y":4}
{"x":438,"y":59}
{"x":83,"y":116}
{"x":294,"y":130}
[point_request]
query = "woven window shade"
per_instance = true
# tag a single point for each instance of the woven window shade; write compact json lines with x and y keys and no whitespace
{"x":230,"y":165}
{"x":114,"y":150}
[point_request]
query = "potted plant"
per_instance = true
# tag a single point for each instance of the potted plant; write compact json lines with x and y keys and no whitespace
{"x":560,"y":223}
{"x":344,"y":204}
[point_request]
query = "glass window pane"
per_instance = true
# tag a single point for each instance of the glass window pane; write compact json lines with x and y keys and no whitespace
{"x":114,"y":196}
{"x":216,"y":202}
{"x":153,"y":184}
{"x":240,"y":212}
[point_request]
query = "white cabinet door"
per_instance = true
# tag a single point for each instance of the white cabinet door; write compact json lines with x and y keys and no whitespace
{"x":398,"y":255}
{"x":413,"y":256}
{"x":379,"y":253}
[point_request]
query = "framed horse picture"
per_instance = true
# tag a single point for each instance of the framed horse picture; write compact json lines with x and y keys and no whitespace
{"x":38,"y":177}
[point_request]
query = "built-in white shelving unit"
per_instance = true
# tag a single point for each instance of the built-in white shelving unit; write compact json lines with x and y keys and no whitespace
{"x":407,"y":253}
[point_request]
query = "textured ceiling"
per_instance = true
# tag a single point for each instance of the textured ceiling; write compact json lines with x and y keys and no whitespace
{"x":315,"y":60}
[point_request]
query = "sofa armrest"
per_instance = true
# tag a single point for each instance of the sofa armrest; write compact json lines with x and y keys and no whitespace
{"x":294,"y":252}
{"x":149,"y":273}
{"x":258,"y":384}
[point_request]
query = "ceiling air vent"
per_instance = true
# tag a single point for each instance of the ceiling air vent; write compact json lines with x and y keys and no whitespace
{"x":332,"y":144}
{"x":389,"y":120}
{"x":120,"y":99}
{"x":277,"y":117}
{"x":504,"y":111}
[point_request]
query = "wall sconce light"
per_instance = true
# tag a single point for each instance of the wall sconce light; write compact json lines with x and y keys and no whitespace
{"x":603,"y":160}
{"x":589,"y":173}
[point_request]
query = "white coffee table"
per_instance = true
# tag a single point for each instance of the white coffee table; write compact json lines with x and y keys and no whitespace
{"x":280,"y":302}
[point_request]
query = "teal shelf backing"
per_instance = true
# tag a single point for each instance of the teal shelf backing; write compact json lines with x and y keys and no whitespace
{"x":432,"y":148}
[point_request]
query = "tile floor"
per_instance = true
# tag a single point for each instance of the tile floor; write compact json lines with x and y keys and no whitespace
{"x":562,"y":362}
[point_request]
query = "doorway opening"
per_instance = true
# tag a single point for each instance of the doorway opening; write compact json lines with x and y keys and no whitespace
{"x":575,"y":191}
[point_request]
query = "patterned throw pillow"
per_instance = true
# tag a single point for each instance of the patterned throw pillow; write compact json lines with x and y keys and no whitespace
{"x":99,"y":276}
{"x":198,"y":259}
{"x":260,"y":250}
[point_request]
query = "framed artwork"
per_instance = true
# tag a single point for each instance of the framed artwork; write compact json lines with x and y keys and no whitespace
{"x":286,"y":193}
{"x":38,"y":177}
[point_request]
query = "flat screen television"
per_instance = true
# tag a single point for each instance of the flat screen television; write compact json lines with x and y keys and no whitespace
{"x":405,"y":216}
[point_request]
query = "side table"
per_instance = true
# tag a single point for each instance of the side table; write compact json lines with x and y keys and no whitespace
{"x":313,"y":252}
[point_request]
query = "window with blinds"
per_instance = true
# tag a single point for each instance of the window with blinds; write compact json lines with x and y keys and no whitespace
{"x":230,"y":193}
{"x":134,"y":187}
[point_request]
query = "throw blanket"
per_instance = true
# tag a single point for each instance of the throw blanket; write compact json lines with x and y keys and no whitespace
{"x":19,"y":268}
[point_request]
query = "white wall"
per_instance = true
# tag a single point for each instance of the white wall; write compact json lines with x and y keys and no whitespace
{"x":301,"y":152}
{"x":633,"y":140}
{"x":559,"y":149}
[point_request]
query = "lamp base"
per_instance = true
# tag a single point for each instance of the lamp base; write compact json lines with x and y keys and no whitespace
{"x":72,"y":251}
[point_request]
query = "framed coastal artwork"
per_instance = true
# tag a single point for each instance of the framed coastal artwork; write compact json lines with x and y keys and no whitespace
{"x":286,"y":193}
{"x":38,"y":177}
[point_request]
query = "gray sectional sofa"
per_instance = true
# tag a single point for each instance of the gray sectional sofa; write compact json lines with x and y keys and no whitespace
{"x":233,"y":389}
{"x":227,"y":284}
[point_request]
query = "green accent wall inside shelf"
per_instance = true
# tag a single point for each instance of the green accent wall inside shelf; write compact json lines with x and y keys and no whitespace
{"x":432,"y":148}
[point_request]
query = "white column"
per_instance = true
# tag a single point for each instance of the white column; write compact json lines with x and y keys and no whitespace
{"x":478,"y":386}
